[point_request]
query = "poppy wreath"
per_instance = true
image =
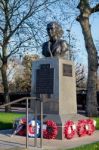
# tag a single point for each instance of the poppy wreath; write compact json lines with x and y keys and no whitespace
{"x":69,"y":129}
{"x":20,"y":127}
{"x":18,"y":122}
{"x":31,"y":128}
{"x":51,"y":130}
{"x":81,"y":128}
{"x":90,"y":126}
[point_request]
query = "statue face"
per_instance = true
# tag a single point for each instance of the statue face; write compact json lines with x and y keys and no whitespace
{"x":52,"y":31}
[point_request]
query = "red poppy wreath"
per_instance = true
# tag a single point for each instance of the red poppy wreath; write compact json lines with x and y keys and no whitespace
{"x":81,"y":128}
{"x":51,"y":130}
{"x":69,"y":129}
{"x":90,"y":126}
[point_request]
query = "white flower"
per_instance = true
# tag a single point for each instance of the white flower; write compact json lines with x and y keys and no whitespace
{"x":87,"y":127}
{"x":94,"y":123}
{"x":69,"y":130}
{"x":74,"y":127}
{"x":32,"y":122}
{"x":44,"y":126}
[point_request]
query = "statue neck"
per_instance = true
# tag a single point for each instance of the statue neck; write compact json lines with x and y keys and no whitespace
{"x":54,"y":40}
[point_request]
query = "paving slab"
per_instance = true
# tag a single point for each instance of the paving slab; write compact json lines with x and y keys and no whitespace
{"x":9,"y":142}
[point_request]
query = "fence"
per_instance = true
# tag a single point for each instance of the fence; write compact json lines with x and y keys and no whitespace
{"x":41,"y":114}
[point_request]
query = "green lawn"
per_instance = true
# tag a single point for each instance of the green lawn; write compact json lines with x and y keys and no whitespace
{"x":94,"y":146}
{"x":97,"y":122}
{"x":6,"y":119}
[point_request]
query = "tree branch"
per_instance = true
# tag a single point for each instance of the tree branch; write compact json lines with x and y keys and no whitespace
{"x":1,"y":29}
{"x":16,"y":49}
{"x":95,"y":9}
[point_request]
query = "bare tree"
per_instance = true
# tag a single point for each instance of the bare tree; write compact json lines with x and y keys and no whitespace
{"x":80,"y":77}
{"x":15,"y":31}
{"x":85,"y":12}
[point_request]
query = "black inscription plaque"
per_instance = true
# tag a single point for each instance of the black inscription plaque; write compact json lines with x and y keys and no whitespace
{"x":44,"y":79}
{"x":67,"y":70}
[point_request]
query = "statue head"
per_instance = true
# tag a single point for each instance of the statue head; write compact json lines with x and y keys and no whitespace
{"x":55,"y":46}
{"x":54,"y":30}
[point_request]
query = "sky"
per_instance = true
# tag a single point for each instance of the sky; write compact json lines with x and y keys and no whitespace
{"x":77,"y":31}
{"x":59,"y":13}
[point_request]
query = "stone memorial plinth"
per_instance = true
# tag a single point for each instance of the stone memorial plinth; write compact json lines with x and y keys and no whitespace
{"x":54,"y":79}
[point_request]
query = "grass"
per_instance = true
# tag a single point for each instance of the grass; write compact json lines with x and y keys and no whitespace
{"x":97,"y":122}
{"x":6,"y":119}
{"x":93,"y":146}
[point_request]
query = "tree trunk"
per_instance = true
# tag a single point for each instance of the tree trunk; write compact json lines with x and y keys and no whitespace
{"x":91,"y":105}
{"x":5,"y":84}
{"x":91,"y":100}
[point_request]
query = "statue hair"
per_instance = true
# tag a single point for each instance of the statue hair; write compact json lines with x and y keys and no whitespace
{"x":59,"y":30}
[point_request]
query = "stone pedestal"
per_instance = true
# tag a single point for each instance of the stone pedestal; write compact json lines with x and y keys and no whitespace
{"x":59,"y":94}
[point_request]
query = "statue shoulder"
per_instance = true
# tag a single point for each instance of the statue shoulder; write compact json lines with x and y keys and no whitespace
{"x":64,"y":44}
{"x":45,"y":51}
{"x":45,"y":45}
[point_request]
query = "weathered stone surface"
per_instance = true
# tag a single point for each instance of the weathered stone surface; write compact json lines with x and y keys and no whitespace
{"x":61,"y":99}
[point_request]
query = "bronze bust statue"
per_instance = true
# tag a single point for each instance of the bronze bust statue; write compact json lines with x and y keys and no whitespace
{"x":55,"y":47}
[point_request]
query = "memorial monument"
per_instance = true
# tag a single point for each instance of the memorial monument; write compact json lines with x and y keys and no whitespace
{"x":53,"y":77}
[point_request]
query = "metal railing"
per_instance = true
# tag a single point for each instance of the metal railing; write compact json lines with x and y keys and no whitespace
{"x":35,"y":115}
